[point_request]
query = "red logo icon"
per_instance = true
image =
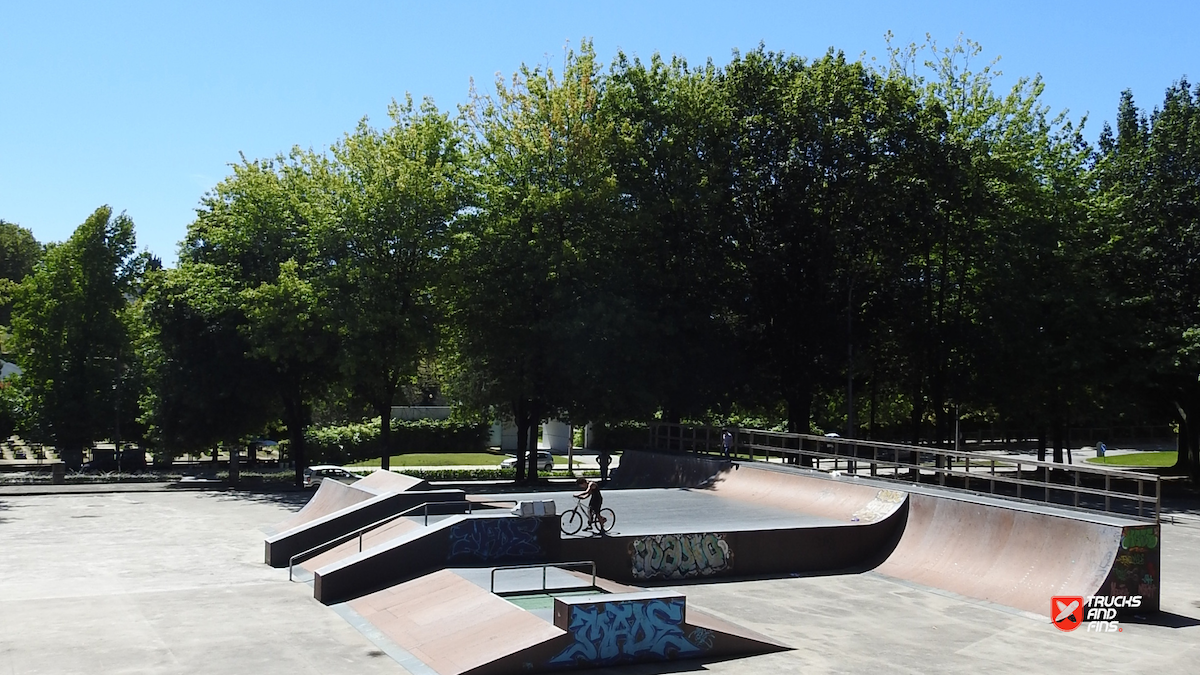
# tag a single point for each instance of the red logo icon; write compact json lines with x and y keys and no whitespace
{"x":1066,"y":611}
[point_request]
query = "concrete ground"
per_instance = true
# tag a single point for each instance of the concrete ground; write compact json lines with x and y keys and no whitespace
{"x":172,"y":582}
{"x":160,"y":582}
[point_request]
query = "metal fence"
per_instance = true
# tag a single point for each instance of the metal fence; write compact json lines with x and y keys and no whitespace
{"x":1128,"y":493}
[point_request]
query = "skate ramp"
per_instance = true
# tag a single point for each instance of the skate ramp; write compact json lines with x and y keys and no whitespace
{"x":376,"y":537}
{"x":282,"y":546}
{"x":816,"y":495}
{"x":390,"y":481}
{"x":331,"y":496}
{"x":455,"y":626}
{"x":641,"y":469}
{"x":1010,"y":553}
{"x":482,"y":539}
{"x":1017,"y":557}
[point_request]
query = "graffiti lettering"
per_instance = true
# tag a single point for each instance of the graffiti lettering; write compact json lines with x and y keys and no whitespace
{"x":488,"y":539}
{"x":1139,"y":538}
{"x":607,"y":633}
{"x":701,"y":637}
{"x":883,"y":505}
{"x":678,"y":556}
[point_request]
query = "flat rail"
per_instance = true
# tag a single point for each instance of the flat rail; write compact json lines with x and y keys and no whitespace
{"x":338,"y":541}
{"x":543,"y":567}
{"x":1088,"y":488}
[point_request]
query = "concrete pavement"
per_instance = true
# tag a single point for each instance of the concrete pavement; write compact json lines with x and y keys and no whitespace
{"x":170,"y":582}
{"x":160,"y":582}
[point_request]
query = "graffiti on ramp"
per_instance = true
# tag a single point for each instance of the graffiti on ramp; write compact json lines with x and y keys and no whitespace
{"x":608,"y":633}
{"x":680,"y":556}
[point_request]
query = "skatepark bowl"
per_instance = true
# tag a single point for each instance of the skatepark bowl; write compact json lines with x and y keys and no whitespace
{"x":448,"y":583}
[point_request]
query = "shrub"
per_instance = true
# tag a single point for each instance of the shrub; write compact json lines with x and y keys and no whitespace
{"x":341,"y":444}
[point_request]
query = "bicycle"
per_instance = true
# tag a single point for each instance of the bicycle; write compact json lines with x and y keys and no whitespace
{"x":572,"y":521}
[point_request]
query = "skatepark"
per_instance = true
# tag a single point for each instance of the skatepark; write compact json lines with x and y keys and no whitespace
{"x":686,"y":516}
{"x":741,"y":567}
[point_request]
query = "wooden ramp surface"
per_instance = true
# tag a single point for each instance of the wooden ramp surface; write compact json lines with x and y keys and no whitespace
{"x":451,"y":624}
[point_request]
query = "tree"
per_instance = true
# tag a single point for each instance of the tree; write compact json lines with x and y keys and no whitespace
{"x":1149,"y":204}
{"x":204,"y":387}
{"x":71,"y":336}
{"x":671,"y":157}
{"x":257,"y":230}
{"x":530,"y":264}
{"x":398,"y":191}
{"x":19,"y":253}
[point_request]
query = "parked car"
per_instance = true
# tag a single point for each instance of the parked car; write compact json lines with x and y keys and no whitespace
{"x":545,"y":461}
{"x":313,"y":475}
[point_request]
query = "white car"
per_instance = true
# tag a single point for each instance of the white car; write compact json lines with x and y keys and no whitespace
{"x":545,"y":461}
{"x":313,"y":475}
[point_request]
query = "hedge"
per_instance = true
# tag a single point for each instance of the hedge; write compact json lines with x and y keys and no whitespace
{"x":353,"y":442}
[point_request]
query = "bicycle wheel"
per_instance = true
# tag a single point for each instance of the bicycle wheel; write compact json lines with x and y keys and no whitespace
{"x":610,"y":519}
{"x":571,"y":521}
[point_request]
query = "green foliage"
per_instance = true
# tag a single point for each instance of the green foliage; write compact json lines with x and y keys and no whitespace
{"x":779,"y":242}
{"x":19,"y":253}
{"x":357,"y":441}
{"x":398,"y":191}
{"x":71,"y":337}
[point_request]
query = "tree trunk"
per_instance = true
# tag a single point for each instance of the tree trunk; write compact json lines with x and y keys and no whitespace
{"x":294,"y":417}
{"x":522,"y":421}
{"x":1059,"y":433}
{"x":874,"y":404}
{"x":799,"y":411}
{"x":1185,"y":443}
{"x":531,"y":471}
{"x":385,"y":437}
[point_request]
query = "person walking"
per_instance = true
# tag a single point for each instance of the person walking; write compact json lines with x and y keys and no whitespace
{"x":605,"y":460}
{"x":727,"y":442}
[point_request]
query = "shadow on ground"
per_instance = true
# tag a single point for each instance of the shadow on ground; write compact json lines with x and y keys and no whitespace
{"x":1164,"y":619}
{"x":291,"y":499}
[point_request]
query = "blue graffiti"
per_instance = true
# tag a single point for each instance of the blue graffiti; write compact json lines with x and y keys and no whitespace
{"x":607,"y":633}
{"x":488,"y":539}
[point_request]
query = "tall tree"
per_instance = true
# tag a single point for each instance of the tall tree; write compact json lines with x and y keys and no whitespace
{"x":257,"y":230}
{"x":71,"y":336}
{"x":398,"y":190}
{"x":670,"y":153}
{"x":528,"y":261}
{"x":1150,"y":205}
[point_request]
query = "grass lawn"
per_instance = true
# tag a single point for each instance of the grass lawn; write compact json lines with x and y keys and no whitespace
{"x":440,"y":459}
{"x":1154,"y":459}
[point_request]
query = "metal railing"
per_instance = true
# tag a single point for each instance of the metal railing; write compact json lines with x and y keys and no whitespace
{"x":1005,"y":476}
{"x":543,"y":566}
{"x":338,"y":541}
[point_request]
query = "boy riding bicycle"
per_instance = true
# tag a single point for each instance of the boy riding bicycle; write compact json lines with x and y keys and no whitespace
{"x":592,"y":490}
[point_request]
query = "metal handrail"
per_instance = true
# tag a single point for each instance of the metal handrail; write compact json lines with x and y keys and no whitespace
{"x":707,"y":439}
{"x":338,"y":541}
{"x":543,"y":566}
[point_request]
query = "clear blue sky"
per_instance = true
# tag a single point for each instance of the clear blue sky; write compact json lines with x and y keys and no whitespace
{"x":143,"y":105}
